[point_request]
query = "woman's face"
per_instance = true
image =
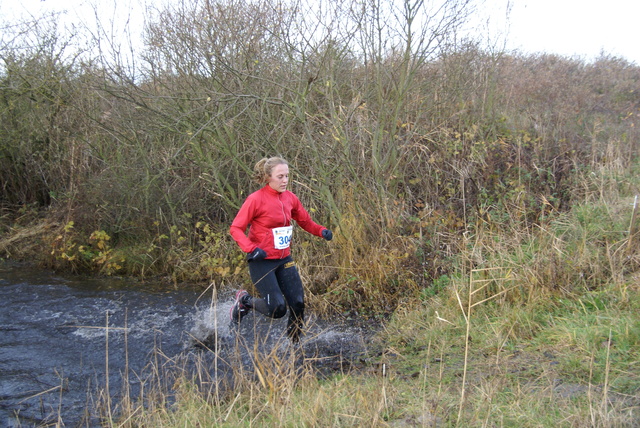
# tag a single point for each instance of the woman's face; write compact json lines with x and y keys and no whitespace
{"x":279,"y":177}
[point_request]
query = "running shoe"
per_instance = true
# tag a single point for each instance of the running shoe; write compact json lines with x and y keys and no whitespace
{"x":239,"y":308}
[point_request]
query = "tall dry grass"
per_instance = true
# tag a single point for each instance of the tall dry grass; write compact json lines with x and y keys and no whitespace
{"x":404,"y":145}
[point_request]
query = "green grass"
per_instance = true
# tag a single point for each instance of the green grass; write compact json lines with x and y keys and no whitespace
{"x":544,"y":365}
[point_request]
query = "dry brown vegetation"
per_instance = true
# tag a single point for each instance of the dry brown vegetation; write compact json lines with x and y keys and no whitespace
{"x":401,"y":141}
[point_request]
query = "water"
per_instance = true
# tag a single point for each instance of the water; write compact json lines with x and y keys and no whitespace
{"x":60,"y":337}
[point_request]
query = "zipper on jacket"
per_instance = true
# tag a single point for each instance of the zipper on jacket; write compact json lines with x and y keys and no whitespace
{"x":284,"y":216}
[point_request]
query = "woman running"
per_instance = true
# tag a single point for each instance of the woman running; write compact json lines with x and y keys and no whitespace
{"x":268,"y":213}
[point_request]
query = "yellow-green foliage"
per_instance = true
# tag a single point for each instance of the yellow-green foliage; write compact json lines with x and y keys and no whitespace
{"x":95,"y":254}
{"x":185,"y":254}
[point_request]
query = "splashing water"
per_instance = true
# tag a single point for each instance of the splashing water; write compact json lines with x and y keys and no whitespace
{"x":64,"y":339}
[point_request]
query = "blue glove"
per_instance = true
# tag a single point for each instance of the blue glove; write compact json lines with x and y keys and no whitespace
{"x":327,"y":234}
{"x":257,"y":254}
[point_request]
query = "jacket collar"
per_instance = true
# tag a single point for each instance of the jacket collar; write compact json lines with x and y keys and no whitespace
{"x":270,"y":190}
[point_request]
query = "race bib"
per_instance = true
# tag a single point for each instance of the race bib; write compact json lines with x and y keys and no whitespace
{"x":282,"y":237}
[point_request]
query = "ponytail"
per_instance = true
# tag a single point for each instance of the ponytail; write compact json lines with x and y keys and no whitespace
{"x":263,"y":168}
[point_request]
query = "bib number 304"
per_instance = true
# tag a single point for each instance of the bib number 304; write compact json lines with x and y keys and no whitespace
{"x":282,"y":237}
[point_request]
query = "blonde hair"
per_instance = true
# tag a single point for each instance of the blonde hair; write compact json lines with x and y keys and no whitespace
{"x":263,"y":168}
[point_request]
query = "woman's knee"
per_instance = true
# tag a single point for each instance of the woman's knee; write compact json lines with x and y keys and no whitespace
{"x":278,"y":311}
{"x":277,"y":307}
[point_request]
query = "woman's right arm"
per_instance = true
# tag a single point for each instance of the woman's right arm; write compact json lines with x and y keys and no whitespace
{"x":240,"y":224}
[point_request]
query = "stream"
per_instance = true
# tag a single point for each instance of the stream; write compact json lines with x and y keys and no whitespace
{"x":68,"y":343}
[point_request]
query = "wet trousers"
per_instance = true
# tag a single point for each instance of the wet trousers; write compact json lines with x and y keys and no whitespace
{"x":280,"y":286}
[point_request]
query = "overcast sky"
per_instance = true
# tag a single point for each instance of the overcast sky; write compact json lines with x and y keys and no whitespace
{"x":573,"y":28}
{"x":580,"y":28}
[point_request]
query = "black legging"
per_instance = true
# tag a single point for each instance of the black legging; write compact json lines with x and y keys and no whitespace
{"x":279,"y":284}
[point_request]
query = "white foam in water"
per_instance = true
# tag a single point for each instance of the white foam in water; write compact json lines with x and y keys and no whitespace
{"x":151,"y":321}
{"x":93,"y":333}
{"x":141,"y":323}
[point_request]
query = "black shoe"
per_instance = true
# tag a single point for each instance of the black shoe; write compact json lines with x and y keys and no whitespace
{"x":239,"y":308}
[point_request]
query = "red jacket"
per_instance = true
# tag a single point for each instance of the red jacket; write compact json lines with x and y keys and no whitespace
{"x":264,"y":210}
